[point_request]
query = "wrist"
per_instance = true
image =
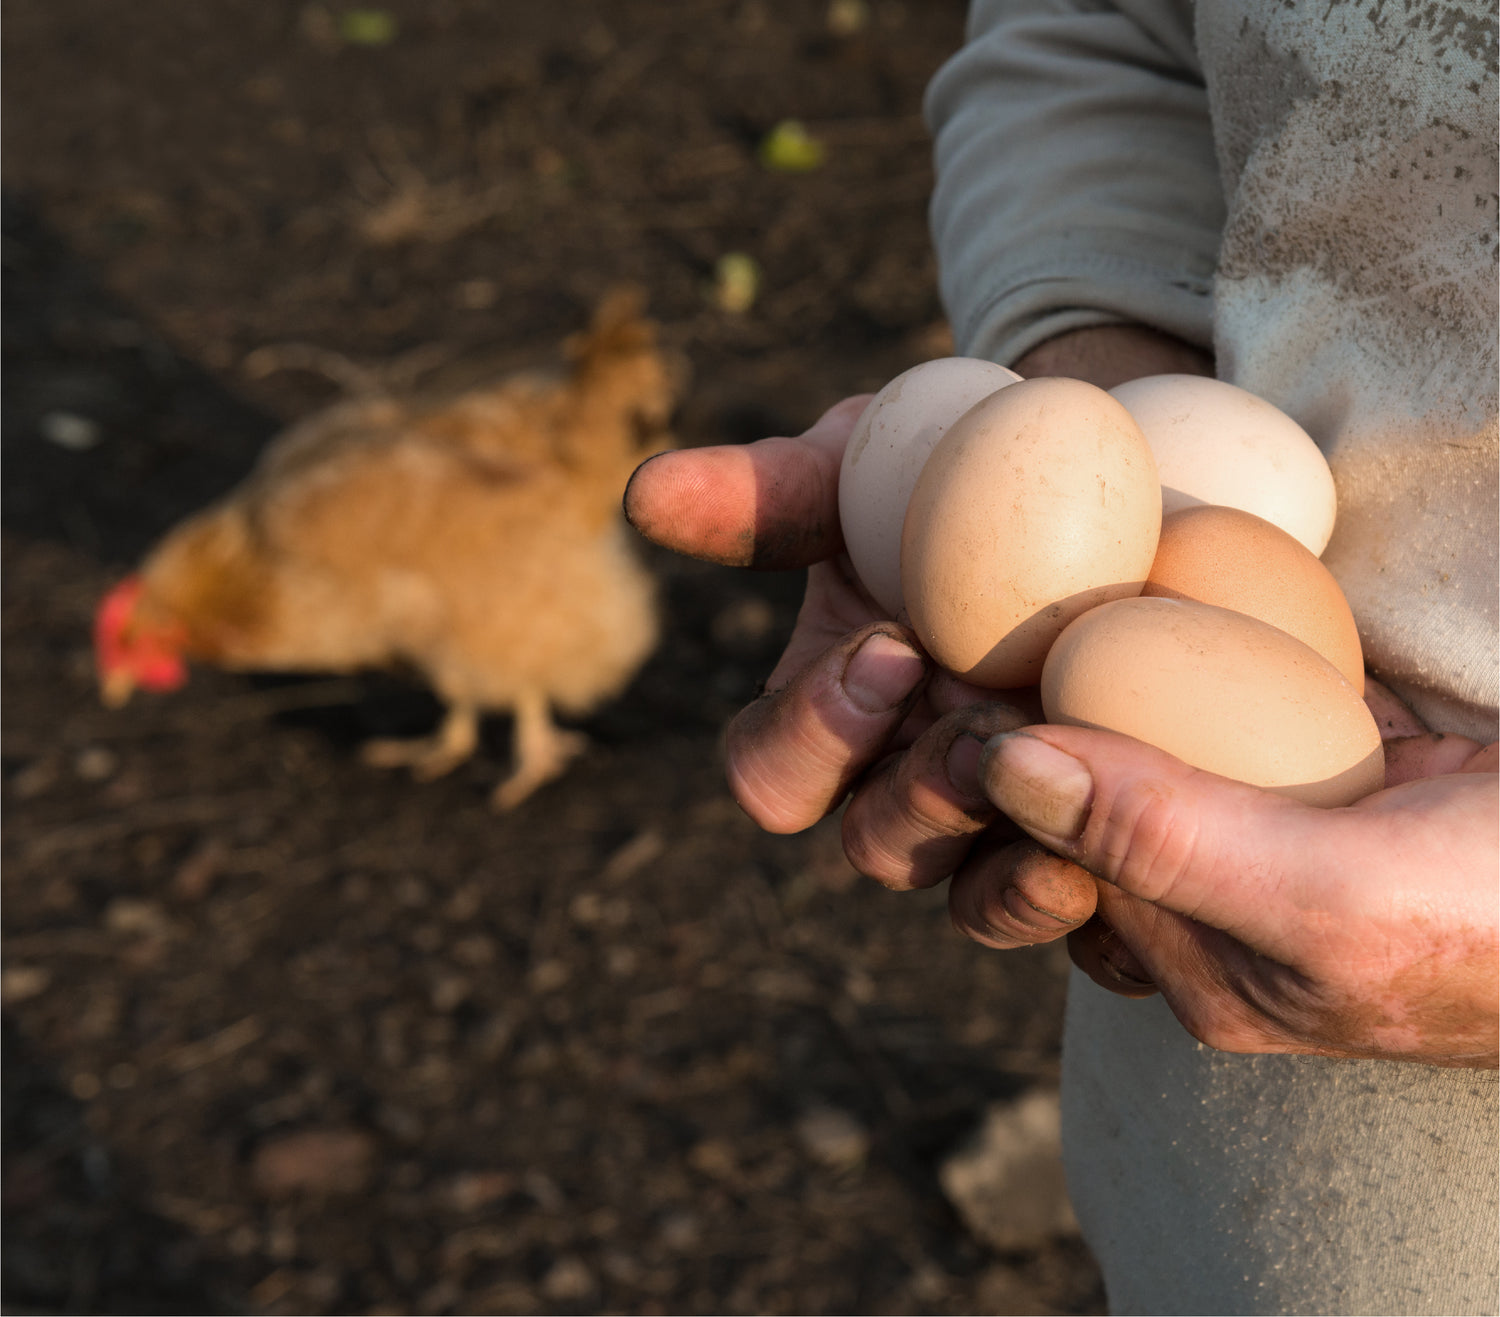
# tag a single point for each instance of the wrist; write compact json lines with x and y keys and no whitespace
{"x":1107,"y":355}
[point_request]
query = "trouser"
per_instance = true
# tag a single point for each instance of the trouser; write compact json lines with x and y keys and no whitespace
{"x":1208,"y":1183}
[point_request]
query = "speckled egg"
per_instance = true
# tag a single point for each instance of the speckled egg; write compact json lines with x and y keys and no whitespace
{"x":887,"y":449}
{"x":1221,"y":691}
{"x":1040,"y":503}
{"x":1219,"y":444}
{"x":1234,"y":559}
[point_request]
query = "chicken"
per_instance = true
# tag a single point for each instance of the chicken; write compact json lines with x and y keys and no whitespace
{"x":475,"y":540}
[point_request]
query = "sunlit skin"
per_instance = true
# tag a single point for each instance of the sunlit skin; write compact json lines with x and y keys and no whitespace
{"x":1268,"y":926}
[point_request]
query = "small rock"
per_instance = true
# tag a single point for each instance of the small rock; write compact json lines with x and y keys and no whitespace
{"x":450,"y":992}
{"x":543,"y":1188}
{"x":36,"y":779}
{"x":743,"y":626}
{"x":475,"y":1189}
{"x":477,"y":294}
{"x":569,"y":1281}
{"x":69,"y":430}
{"x":313,"y":1161}
{"x":586,"y":908}
{"x":621,"y":1266}
{"x":714,"y":1158}
{"x":96,"y":763}
{"x":20,"y":983}
{"x":929,"y":1285}
{"x":136,"y":918}
{"x":550,"y":975}
{"x":845,"y":18}
{"x":1006,"y":1182}
{"x":680,"y":1231}
{"x":633,"y":856}
{"x":832,"y":1137}
{"x":196,"y":874}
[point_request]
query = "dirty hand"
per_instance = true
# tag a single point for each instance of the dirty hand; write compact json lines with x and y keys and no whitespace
{"x":853,"y":689}
{"x":1268,"y":925}
{"x":852,"y":685}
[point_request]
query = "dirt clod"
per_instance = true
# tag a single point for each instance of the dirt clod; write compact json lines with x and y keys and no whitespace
{"x":314,"y":1161}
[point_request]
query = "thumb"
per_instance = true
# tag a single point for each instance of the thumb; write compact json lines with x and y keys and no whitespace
{"x":771,"y":504}
{"x":1220,"y":852}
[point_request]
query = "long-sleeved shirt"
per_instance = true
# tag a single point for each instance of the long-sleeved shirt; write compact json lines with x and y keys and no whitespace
{"x":1308,"y":189}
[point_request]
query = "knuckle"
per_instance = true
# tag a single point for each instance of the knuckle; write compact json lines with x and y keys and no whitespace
{"x":989,"y":903}
{"x":901,"y":832}
{"x":882,"y":851}
{"x":769,"y":800}
{"x":979,"y":920}
{"x":1146,"y":845}
{"x":863,"y":851}
{"x":785,"y":771}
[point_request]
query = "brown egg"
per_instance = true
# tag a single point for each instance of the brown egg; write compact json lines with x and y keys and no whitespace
{"x":1234,"y":559}
{"x":1037,"y":504}
{"x":1221,"y":691}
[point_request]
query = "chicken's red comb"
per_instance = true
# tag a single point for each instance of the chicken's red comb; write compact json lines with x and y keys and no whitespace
{"x":114,"y":614}
{"x":151,"y":660}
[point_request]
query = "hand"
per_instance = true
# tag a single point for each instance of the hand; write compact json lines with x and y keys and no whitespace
{"x":1267,"y":925}
{"x":852,"y":684}
{"x":852,"y":689}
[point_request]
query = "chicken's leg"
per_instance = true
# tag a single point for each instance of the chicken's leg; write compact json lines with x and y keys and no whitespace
{"x":429,"y":756}
{"x":542,"y":751}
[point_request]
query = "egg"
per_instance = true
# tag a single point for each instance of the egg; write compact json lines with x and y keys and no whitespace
{"x":1039,"y":503}
{"x":1222,"y":691}
{"x":887,"y":448}
{"x":1234,"y":559}
{"x":1216,"y":443}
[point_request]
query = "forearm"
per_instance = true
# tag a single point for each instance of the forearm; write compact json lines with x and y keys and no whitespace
{"x":1077,"y":183}
{"x":1111,"y":354}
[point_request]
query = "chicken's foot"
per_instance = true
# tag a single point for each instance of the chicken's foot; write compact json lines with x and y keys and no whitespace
{"x":542,"y":751}
{"x":429,"y":757}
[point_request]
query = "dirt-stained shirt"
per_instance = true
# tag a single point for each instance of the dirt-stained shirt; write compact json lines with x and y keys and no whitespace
{"x":1310,"y":190}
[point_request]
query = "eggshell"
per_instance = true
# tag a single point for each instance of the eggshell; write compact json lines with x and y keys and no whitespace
{"x":1040,"y":503}
{"x":1216,"y":443}
{"x":1224,"y":692}
{"x":1234,"y":559}
{"x":887,"y":448}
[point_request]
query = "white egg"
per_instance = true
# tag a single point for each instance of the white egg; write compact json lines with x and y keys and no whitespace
{"x":1218,"y":444}
{"x":887,"y":448}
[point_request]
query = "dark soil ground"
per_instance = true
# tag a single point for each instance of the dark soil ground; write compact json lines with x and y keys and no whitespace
{"x":288,"y":1034}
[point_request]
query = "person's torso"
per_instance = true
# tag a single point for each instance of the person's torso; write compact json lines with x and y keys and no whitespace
{"x":1357,"y":289}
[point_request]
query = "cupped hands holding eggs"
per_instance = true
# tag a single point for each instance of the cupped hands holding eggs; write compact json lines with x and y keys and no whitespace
{"x":1032,"y":550}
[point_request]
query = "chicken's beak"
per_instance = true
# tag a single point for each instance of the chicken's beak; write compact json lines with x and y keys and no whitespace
{"x":116,"y":688}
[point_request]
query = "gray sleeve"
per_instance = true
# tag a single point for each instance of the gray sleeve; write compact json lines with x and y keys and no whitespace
{"x":1077,"y":183}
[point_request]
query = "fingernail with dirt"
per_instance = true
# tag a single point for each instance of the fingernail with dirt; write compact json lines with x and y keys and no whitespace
{"x":1044,"y":790}
{"x":1028,"y":915}
{"x":881,"y":673}
{"x":962,"y":763}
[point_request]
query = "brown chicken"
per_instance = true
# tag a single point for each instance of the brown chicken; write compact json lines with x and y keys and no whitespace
{"x":476,"y":540}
